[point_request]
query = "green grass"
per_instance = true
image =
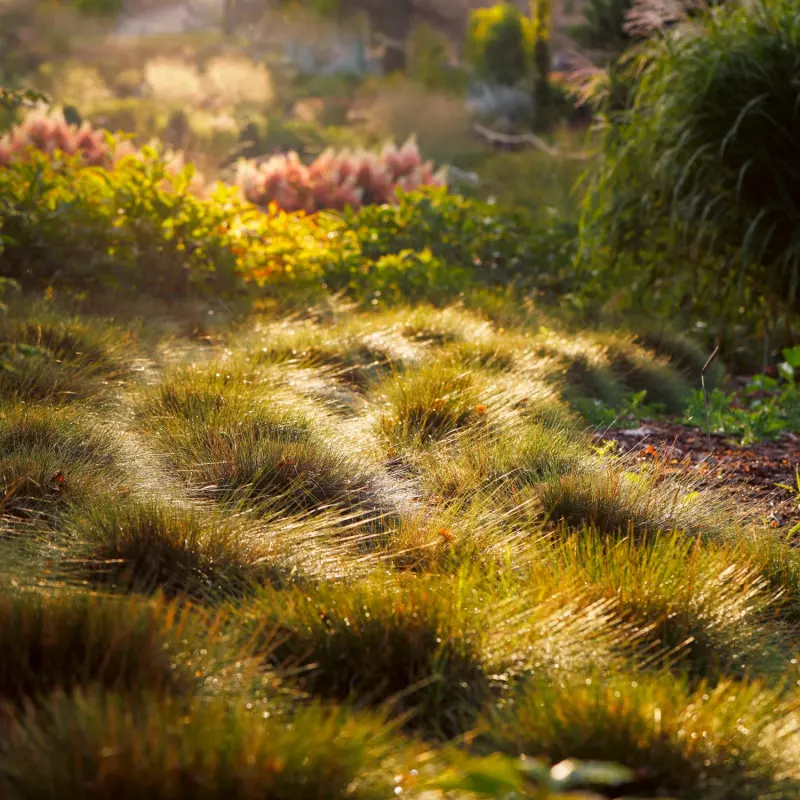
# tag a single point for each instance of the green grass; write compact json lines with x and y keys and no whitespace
{"x":55,"y":458}
{"x":93,"y":746}
{"x":45,"y":358}
{"x":703,"y":612}
{"x":731,"y":740}
{"x":63,"y":640}
{"x":277,"y":558}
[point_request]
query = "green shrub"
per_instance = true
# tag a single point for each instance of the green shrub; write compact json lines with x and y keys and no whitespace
{"x":499,"y":44}
{"x":137,"y":226}
{"x":701,"y":171}
{"x":489,"y":244}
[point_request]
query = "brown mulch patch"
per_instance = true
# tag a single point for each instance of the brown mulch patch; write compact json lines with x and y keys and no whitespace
{"x":750,"y":474}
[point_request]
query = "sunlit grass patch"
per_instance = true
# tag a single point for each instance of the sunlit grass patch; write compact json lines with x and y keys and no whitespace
{"x":59,"y":359}
{"x":51,"y":458}
{"x":61,"y":640}
{"x":355,"y":354}
{"x":523,"y":455}
{"x":428,"y":404}
{"x":701,"y":610}
{"x":436,"y":327}
{"x":410,"y":644}
{"x":246,"y":441}
{"x":146,"y":545}
{"x":612,"y":499}
{"x":778,"y":562}
{"x":96,"y":747}
{"x":433,"y":649}
{"x":729,"y":741}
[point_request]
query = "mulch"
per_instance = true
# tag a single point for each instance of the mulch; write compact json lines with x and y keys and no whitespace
{"x":750,"y":474}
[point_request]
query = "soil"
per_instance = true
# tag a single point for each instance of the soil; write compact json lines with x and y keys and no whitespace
{"x":750,"y":474}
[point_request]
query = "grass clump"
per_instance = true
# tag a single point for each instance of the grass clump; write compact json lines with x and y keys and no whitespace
{"x":429,"y":404}
{"x":613,"y":499}
{"x":354,"y":357}
{"x":60,"y":640}
{"x":96,"y":747}
{"x":409,"y":644}
{"x":51,"y":459}
{"x":703,"y":612}
{"x":145,"y":545}
{"x":524,"y":455}
{"x":727,"y":741}
{"x":58,"y":360}
{"x":245,"y":442}
{"x":433,"y":649}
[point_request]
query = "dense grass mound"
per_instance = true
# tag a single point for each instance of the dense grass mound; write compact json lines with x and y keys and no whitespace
{"x":409,"y":645}
{"x":61,"y":641}
{"x":727,"y":741}
{"x":704,"y":613}
{"x":59,"y":360}
{"x":429,"y":404}
{"x":92,"y":747}
{"x":435,"y":651}
{"x":52,"y":459}
{"x":618,"y":500}
{"x":245,"y":440}
{"x":149,"y":545}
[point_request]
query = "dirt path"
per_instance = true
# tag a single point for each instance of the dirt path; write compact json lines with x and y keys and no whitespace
{"x":751,"y":475}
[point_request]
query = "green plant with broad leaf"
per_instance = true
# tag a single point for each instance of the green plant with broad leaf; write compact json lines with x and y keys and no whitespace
{"x":766,"y":408}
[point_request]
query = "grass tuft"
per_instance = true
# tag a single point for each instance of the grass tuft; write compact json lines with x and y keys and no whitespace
{"x":64,"y":640}
{"x":59,"y":360}
{"x":53,"y":458}
{"x":731,"y":741}
{"x":96,"y":747}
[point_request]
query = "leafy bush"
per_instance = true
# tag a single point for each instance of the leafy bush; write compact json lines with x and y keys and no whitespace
{"x":137,"y":226}
{"x":767,"y":408}
{"x":499,"y":44}
{"x":702,"y":168}
{"x":494,"y":245}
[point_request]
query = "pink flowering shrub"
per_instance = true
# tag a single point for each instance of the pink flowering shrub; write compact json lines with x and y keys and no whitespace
{"x":336,"y":180}
{"x":49,"y":133}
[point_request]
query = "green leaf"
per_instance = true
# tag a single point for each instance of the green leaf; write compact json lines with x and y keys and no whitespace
{"x":494,"y":776}
{"x":571,"y":774}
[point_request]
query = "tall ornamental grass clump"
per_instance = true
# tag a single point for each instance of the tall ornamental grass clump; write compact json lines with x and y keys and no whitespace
{"x":704,"y":160}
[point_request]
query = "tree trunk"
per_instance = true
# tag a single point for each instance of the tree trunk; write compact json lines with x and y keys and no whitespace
{"x":393,"y":20}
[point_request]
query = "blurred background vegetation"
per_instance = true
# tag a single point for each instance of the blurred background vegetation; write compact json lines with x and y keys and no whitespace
{"x":559,"y":109}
